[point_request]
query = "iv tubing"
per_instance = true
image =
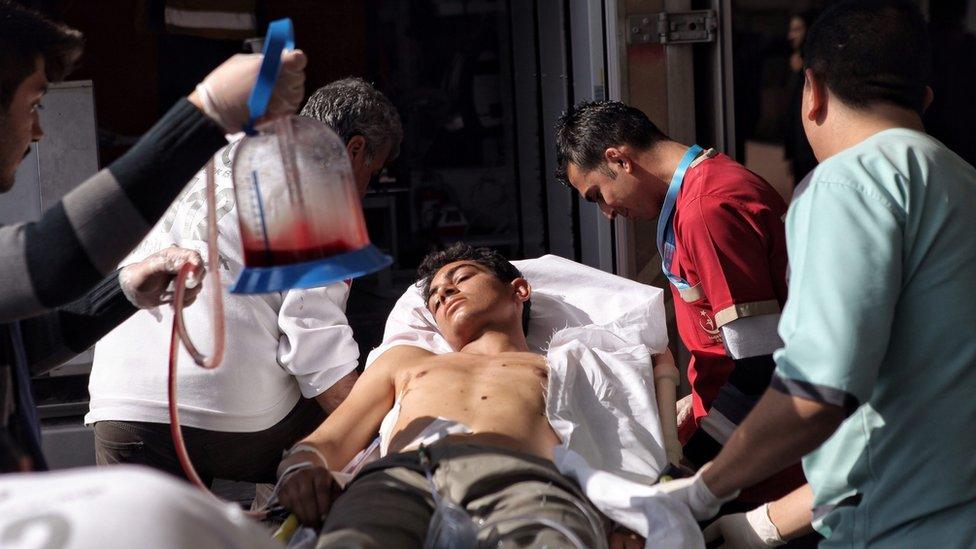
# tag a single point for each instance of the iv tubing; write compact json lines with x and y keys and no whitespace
{"x":216,"y":292}
{"x":179,"y":332}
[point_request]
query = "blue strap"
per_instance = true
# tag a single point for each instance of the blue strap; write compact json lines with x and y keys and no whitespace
{"x":665,"y":221}
{"x":281,"y":36}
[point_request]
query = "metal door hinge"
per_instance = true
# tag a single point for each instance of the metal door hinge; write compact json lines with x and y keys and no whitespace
{"x":672,"y":28}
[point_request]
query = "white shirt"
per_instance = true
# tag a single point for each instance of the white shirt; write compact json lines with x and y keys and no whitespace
{"x":279,"y":345}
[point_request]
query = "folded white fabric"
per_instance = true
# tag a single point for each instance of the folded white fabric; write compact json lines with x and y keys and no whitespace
{"x":564,"y":294}
{"x":663,"y":521}
{"x":601,"y":399}
{"x":602,"y":403}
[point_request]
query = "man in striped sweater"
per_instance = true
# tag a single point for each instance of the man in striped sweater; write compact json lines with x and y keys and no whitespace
{"x":46,"y":267}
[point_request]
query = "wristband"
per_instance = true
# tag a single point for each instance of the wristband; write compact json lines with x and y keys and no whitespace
{"x":701,"y":496}
{"x":763,"y":526}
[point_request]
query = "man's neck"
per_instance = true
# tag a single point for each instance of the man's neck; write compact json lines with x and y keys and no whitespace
{"x":493,"y":342}
{"x":852,"y":126}
{"x":661,"y":161}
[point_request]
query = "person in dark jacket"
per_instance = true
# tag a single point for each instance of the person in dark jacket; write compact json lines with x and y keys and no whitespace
{"x":796,"y":148}
{"x":60,"y":292}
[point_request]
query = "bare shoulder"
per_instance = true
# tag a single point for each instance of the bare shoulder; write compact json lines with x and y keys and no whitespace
{"x":401,"y":356}
{"x":380,"y":377}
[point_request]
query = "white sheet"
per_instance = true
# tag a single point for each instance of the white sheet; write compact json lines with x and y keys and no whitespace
{"x":603,"y":406}
{"x":601,"y":398}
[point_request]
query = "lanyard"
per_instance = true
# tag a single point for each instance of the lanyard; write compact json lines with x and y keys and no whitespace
{"x":665,"y":221}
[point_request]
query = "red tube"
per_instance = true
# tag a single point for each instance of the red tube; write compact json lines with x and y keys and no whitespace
{"x":179,"y":332}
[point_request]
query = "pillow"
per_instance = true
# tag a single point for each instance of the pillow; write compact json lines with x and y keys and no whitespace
{"x":564,"y":294}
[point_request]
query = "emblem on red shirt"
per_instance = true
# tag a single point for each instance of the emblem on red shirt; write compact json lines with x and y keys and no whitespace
{"x":707,"y":324}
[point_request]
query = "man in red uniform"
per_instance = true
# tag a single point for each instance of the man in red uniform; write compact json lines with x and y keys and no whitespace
{"x":722,"y":237}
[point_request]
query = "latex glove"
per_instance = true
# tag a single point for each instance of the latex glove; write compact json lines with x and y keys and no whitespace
{"x":308,"y":492}
{"x":684,"y":411}
{"x":223,"y":94}
{"x":146,"y":283}
{"x":752,"y":530}
{"x":695,"y":495}
{"x":685,"y":418}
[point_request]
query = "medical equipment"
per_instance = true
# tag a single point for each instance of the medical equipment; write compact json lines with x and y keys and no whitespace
{"x":301,"y":220}
{"x":300,"y":215}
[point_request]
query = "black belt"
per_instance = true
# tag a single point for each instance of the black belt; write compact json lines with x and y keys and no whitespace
{"x":408,"y":460}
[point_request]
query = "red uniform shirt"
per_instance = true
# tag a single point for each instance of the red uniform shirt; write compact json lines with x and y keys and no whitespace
{"x":730,"y":245}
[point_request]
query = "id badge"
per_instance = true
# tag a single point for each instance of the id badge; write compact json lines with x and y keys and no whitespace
{"x":668,"y":258}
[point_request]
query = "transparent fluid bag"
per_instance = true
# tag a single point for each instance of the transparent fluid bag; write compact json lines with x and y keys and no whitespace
{"x":300,"y":214}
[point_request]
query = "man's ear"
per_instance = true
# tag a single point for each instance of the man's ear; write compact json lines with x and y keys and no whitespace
{"x":356,"y":147}
{"x":815,"y":95}
{"x":927,"y":100}
{"x":617,"y":159}
{"x":523,"y":290}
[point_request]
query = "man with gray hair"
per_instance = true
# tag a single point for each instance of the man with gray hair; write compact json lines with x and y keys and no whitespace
{"x":290,"y":357}
{"x":364,"y":119}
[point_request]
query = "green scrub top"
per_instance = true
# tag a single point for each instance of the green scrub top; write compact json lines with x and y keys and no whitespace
{"x":881,"y":319}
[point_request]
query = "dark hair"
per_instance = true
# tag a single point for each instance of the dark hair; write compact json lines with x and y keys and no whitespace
{"x":486,"y":257}
{"x":352,"y":107}
{"x":585,"y":131}
{"x":26,"y":35}
{"x":869,"y":51}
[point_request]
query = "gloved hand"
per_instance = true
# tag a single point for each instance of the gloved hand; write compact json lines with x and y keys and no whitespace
{"x":146,"y":283}
{"x":695,"y":494}
{"x":685,"y":413}
{"x":223,"y":94}
{"x":752,"y":530}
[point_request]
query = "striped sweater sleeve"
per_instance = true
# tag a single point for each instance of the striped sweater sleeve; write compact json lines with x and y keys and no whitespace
{"x":81,"y":239}
{"x":54,"y":337}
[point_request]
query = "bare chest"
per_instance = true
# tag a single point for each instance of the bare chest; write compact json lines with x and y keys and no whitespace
{"x":465,"y":374}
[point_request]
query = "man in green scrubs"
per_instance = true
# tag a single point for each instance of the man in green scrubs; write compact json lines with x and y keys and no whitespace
{"x":876,"y":383}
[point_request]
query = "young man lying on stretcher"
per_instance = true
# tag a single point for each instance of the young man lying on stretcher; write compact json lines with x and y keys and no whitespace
{"x":476,"y":418}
